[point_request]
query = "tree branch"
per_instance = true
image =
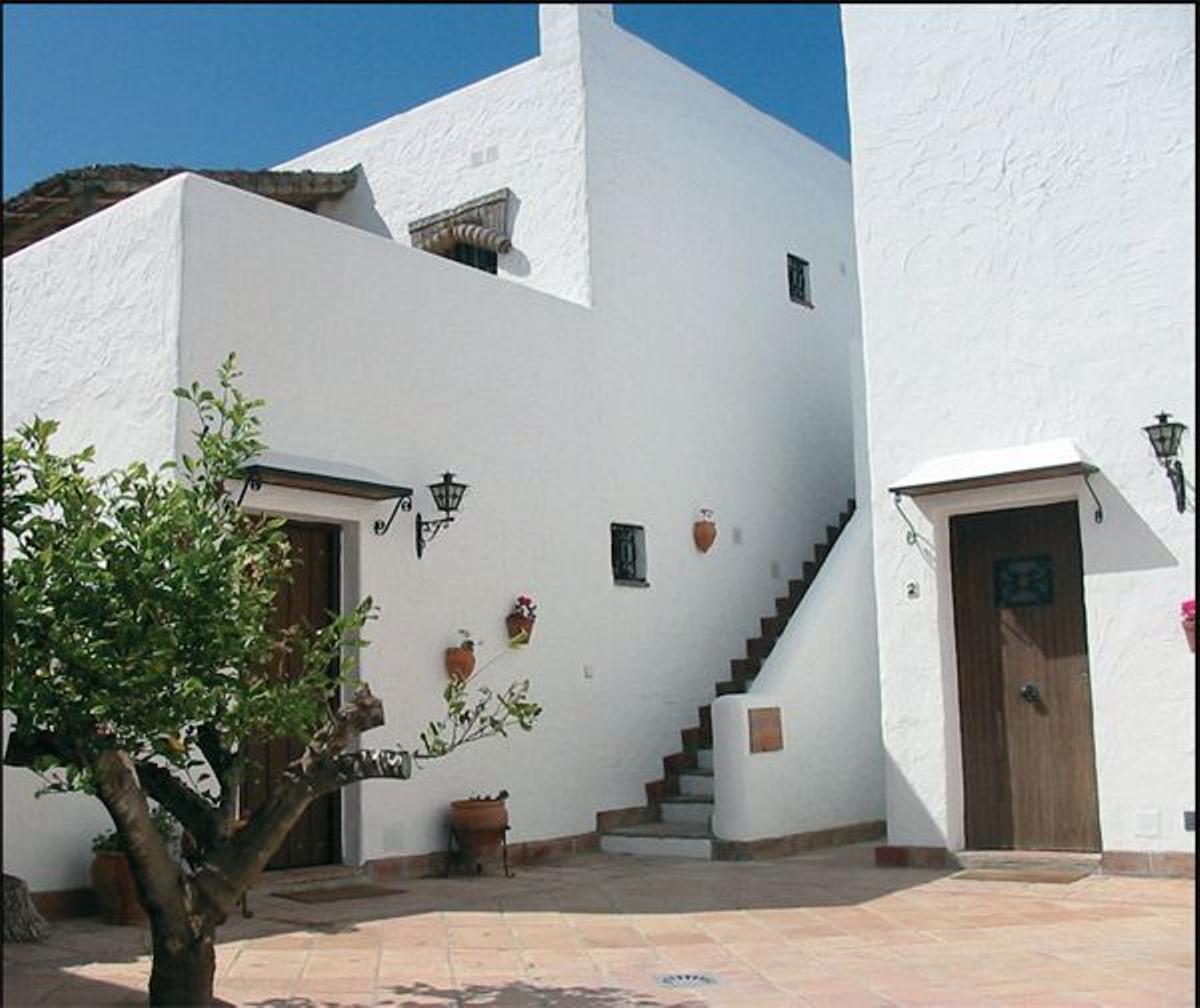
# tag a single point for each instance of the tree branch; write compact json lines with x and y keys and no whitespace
{"x":195,"y":814}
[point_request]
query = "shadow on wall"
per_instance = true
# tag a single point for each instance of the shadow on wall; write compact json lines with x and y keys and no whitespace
{"x":1123,"y":541}
{"x":909,"y":822}
{"x":514,"y":262}
{"x":357,"y":207}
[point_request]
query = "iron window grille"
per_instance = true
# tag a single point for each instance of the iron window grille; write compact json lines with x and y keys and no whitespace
{"x":799,"y":281}
{"x":628,"y":554}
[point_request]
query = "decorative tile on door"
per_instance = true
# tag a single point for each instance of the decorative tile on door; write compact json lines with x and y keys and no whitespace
{"x":1023,"y":581}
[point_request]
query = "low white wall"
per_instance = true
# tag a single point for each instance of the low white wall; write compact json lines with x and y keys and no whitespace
{"x":1026,"y":232}
{"x":90,"y":318}
{"x":822,"y":674}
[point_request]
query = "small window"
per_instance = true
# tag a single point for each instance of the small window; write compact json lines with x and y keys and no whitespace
{"x":799,"y":285}
{"x":473,"y":255}
{"x":629,"y":554}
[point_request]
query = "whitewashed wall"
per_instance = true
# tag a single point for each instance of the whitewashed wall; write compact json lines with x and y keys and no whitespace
{"x":823,"y":674}
{"x":522,"y":128}
{"x":90,"y":322}
{"x":1024,"y":185}
{"x":690,"y":381}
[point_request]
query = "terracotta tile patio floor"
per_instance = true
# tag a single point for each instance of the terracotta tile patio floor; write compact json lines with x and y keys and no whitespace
{"x":601,"y":931}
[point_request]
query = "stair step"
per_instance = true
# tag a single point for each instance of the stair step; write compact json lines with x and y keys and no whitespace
{"x":745,"y":668}
{"x":1028,"y":860}
{"x":696,"y":782}
{"x":687,"y":809}
{"x":660,"y":839}
{"x":704,"y":759}
{"x":760,"y":647}
{"x":728,"y":686}
{"x":831,"y":533}
{"x":772,"y":626}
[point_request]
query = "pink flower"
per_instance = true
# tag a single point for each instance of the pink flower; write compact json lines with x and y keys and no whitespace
{"x":1188,"y":609}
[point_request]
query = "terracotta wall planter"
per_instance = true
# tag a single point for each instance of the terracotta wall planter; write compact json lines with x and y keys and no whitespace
{"x":1189,"y":631}
{"x":116,"y":893}
{"x":704,"y":534}
{"x":460,"y":663}
{"x":519,"y":624}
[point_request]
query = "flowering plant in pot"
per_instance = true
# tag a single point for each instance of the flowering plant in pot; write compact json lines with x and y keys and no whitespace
{"x":112,"y":879}
{"x":1187,"y":615}
{"x":460,"y":659}
{"x":520,"y":621}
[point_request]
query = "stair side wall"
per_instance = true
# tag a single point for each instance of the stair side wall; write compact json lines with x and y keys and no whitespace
{"x":823,"y":675}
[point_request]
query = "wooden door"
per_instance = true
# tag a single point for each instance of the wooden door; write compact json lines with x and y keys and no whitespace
{"x":1029,"y":772}
{"x":308,"y":599}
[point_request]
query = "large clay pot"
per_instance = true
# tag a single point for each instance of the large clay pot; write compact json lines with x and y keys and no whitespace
{"x":704,"y":534}
{"x":479,"y":824}
{"x":1189,"y":631}
{"x":519,"y":624}
{"x":116,"y":893}
{"x":460,"y":663}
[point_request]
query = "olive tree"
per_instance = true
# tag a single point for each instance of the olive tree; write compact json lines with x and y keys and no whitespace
{"x":137,"y":655}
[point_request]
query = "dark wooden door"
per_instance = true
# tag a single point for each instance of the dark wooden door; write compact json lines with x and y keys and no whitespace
{"x":308,"y":599}
{"x":1029,"y":771}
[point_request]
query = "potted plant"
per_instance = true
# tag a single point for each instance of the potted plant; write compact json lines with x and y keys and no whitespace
{"x":479,"y":825}
{"x":520,"y":620}
{"x":704,"y":530}
{"x":1187,"y":615}
{"x":112,"y":880}
{"x":460,"y":660}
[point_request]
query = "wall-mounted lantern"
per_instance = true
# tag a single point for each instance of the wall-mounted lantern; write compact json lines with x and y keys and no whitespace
{"x":1165,"y":437}
{"x":447,"y":495}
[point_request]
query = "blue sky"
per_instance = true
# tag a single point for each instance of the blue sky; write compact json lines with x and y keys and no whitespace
{"x":251,"y":85}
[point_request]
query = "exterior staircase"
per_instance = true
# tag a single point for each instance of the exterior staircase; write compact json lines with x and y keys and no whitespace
{"x":676,"y":820}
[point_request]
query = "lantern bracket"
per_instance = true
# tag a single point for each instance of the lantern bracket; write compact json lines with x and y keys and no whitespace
{"x":427,"y":530}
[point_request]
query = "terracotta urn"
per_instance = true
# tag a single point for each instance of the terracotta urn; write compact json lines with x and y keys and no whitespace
{"x":479,"y":824}
{"x":704,"y":533}
{"x":518,"y":624}
{"x":1189,"y":631}
{"x":460,"y":663}
{"x":116,"y":893}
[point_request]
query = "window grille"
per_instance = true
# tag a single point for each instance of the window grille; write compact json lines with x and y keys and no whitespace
{"x":799,"y":284}
{"x":628,"y":554}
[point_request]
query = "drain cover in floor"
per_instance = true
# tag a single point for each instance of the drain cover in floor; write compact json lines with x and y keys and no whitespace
{"x":332,"y":894}
{"x":1021,"y":875}
{"x":687,"y":980}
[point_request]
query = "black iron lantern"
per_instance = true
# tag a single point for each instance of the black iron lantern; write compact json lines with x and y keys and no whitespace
{"x":447,"y":495}
{"x":1165,"y":436}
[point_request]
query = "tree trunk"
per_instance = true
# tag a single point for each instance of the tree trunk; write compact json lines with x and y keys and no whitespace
{"x":182,"y":977}
{"x":22,"y":922}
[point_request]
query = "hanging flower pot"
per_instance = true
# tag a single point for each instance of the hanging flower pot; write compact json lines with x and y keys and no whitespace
{"x":704,"y":531}
{"x":460,"y":660}
{"x":520,"y":621}
{"x":1188,"y":619}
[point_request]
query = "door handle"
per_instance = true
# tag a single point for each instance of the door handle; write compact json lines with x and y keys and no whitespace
{"x":1030,"y":693}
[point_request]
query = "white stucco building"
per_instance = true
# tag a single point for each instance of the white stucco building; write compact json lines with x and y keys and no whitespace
{"x":606,"y":374}
{"x":665,"y":316}
{"x":1025,"y":215}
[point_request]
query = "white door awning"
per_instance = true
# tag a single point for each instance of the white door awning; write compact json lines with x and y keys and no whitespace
{"x":995,"y":467}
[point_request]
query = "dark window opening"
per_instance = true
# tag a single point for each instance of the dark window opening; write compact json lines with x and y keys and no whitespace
{"x":628,"y":554}
{"x":799,"y":284}
{"x":472,"y":255}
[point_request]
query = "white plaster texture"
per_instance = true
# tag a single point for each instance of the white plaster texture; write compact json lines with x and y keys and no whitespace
{"x":90,"y":323}
{"x":522,"y":129}
{"x":823,"y":675}
{"x":1024,"y":201}
{"x":637,"y":383}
